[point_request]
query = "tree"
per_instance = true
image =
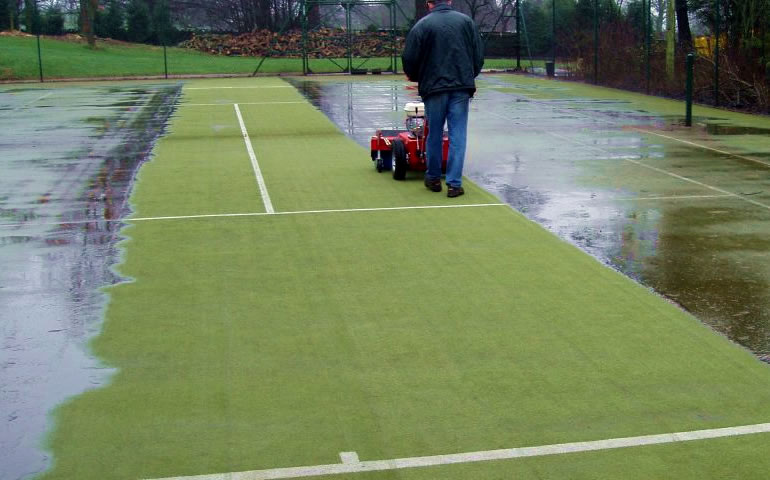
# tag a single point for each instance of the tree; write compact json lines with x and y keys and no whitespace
{"x":683,"y":23}
{"x":111,"y":21}
{"x":87,"y":13}
{"x":32,"y":20}
{"x":53,"y":21}
{"x":138,"y":21}
{"x":670,"y":47}
{"x":9,"y":14}
{"x":162,"y":28}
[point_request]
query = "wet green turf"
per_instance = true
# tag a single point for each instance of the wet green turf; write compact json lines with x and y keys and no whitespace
{"x":275,"y":341}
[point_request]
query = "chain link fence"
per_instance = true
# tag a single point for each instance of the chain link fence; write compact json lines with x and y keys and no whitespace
{"x":636,"y":46}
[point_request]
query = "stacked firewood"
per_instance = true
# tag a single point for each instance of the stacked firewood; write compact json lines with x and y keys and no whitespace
{"x":323,"y":42}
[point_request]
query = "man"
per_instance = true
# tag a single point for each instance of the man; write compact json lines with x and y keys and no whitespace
{"x":444,"y":54}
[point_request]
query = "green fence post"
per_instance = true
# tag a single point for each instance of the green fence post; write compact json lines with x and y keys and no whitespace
{"x":518,"y":35}
{"x":596,"y":42}
{"x":39,"y":58}
{"x":688,"y":91}
{"x":647,"y":35}
{"x":165,"y":60}
{"x":716,"y":54}
{"x":553,"y":34}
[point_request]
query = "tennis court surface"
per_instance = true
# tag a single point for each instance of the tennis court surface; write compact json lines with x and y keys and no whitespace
{"x":290,"y":313}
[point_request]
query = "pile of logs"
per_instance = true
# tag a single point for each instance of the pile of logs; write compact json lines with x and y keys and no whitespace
{"x":324,"y":42}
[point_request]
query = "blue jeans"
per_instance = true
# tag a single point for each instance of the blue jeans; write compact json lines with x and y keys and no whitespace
{"x":450,"y":107}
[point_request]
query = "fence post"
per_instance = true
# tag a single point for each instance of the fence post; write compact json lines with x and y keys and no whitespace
{"x":647,"y":35}
{"x":553,"y":34}
{"x":39,"y":58}
{"x":716,"y":54}
{"x":165,"y":60}
{"x":518,"y":35}
{"x":596,"y":42}
{"x":688,"y":91}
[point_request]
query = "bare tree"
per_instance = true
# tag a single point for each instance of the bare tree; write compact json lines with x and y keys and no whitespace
{"x":87,"y":12}
{"x":683,"y":22}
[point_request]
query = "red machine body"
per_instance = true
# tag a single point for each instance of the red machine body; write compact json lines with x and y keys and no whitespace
{"x":403,"y":150}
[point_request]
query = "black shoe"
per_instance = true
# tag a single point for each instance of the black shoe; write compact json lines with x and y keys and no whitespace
{"x":434,"y":185}
{"x":453,"y":192}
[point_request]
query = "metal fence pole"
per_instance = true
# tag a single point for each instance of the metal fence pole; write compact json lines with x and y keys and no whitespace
{"x":518,"y":35}
{"x":553,"y":34}
{"x":39,"y":58}
{"x":305,"y":12}
{"x":596,"y":42}
{"x":393,"y":26}
{"x":688,"y":91}
{"x":716,"y":54}
{"x":349,"y":26}
{"x":647,"y":35}
{"x":165,"y":60}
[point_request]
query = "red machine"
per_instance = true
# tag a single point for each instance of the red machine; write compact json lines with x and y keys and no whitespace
{"x":402,"y":150}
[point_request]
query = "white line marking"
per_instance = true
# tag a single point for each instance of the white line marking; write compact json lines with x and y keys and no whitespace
{"x":307,"y":212}
{"x":258,"y":87}
{"x":28,"y":103}
{"x":241,"y":103}
{"x":660,"y":170}
{"x":349,"y":457}
{"x":675,"y":197}
{"x":687,"y":142}
{"x":731,"y":194}
{"x":723,"y":152}
{"x":482,"y":456}
{"x":254,"y":164}
{"x":252,"y":214}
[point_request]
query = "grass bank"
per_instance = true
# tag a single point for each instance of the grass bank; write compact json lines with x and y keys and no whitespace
{"x":67,"y":58}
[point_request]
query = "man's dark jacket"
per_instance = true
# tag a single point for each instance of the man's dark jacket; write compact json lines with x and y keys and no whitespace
{"x":443,"y":52}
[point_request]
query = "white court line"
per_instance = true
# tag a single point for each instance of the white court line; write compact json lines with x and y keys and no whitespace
{"x":687,"y":142}
{"x":241,"y":103}
{"x":723,"y":152}
{"x":254,"y":164}
{"x":308,"y":212}
{"x":28,"y":103}
{"x":659,"y":170}
{"x":674,"y":197}
{"x":665,"y":172}
{"x":348,"y":466}
{"x":253,"y":214}
{"x":227,"y":88}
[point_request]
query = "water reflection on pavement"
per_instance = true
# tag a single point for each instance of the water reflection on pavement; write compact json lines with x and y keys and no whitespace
{"x":69,"y":156}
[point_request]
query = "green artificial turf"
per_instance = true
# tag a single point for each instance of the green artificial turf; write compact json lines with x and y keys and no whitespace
{"x":246,"y":343}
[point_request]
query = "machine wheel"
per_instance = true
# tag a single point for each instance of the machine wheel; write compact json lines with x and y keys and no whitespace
{"x":399,"y":160}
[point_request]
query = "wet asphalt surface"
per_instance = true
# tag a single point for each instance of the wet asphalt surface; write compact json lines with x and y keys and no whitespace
{"x":68,"y":161}
{"x":568,"y":165}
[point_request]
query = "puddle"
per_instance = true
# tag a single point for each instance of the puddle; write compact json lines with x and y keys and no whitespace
{"x":562,"y":164}
{"x":67,"y":173}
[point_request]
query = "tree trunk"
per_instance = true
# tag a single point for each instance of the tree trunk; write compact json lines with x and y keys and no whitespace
{"x":86,"y":22}
{"x":683,"y":22}
{"x":11,"y":16}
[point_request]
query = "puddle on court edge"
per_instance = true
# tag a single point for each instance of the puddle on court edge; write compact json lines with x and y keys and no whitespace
{"x":574,"y":166}
{"x":68,"y":163}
